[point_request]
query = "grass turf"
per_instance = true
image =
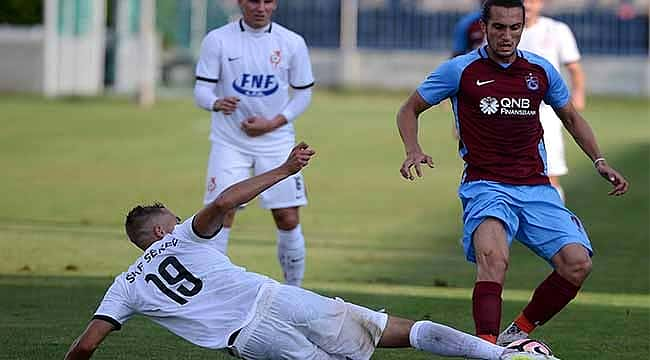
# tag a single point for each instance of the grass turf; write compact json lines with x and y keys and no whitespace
{"x":73,"y":168}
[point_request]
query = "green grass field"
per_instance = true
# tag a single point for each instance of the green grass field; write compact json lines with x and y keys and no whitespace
{"x":73,"y":168}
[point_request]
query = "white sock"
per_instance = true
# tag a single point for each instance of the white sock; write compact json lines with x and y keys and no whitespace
{"x":442,"y":340}
{"x":221,"y":241}
{"x":291,"y":255}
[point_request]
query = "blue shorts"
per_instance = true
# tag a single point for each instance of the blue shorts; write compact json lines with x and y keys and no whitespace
{"x":533,"y":214}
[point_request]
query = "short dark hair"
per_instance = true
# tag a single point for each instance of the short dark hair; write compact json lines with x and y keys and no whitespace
{"x":137,"y":218}
{"x":488,"y":4}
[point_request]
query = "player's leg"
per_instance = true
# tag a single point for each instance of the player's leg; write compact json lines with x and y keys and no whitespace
{"x":291,"y":245}
{"x":557,"y":235}
{"x":556,"y":165}
{"x":437,"y":339}
{"x":489,"y":225}
{"x":363,"y":329}
{"x":492,"y":253}
{"x":284,"y":200}
{"x":226,"y":166}
{"x":293,"y":323}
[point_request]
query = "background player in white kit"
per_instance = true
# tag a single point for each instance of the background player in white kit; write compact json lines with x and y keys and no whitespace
{"x":186,"y":285}
{"x":554,"y":41}
{"x":243,"y":77}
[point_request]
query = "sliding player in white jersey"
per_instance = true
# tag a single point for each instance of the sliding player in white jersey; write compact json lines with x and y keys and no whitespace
{"x":244,"y":73}
{"x":554,"y":41}
{"x":183,"y":283}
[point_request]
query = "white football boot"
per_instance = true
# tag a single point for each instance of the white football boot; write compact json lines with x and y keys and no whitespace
{"x":510,"y":334}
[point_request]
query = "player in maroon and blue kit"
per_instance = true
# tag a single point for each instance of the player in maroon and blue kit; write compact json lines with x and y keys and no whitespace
{"x":496,"y":91}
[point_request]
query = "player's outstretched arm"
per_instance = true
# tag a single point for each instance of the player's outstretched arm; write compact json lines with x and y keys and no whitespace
{"x":209,"y":219}
{"x":87,"y":343}
{"x":585,"y":138}
{"x":577,"y":76}
{"x":407,"y":123}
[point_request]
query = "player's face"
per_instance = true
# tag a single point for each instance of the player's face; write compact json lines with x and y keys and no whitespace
{"x":503,"y":31}
{"x":257,"y":13}
{"x":533,"y":8}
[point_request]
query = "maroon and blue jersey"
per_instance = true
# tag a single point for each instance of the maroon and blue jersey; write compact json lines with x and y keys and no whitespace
{"x":496,"y":108}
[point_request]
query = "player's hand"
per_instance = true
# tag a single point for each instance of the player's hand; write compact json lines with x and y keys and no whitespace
{"x":227,"y":105}
{"x":415,"y":160}
{"x":617,"y":180}
{"x":256,"y":126}
{"x":299,"y":158}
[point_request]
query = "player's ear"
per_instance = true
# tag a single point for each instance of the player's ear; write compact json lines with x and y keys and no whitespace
{"x":158,"y":231}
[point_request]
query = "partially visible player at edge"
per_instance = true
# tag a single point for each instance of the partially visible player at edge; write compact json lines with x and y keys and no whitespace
{"x":186,"y":285}
{"x":496,"y":91}
{"x":554,"y":41}
{"x":243,"y":76}
{"x":467,"y":33}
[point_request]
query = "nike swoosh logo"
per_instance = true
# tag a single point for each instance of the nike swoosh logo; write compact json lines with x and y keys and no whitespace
{"x":481,"y":83}
{"x":233,"y":58}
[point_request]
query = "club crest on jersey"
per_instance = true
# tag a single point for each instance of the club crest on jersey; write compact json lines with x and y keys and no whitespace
{"x":212,"y":184}
{"x":276,"y":57}
{"x":532,"y":82}
{"x":256,"y":85}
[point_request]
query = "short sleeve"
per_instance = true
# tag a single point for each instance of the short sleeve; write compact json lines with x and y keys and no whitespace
{"x":208,"y":67}
{"x":186,"y":231}
{"x":300,"y":73}
{"x":568,"y":52}
{"x":441,"y":83}
{"x":115,"y":307}
{"x":557,"y":95}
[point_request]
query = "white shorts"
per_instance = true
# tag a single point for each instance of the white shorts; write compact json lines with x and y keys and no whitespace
{"x":553,"y":141}
{"x":227,"y":166}
{"x":293,"y":323}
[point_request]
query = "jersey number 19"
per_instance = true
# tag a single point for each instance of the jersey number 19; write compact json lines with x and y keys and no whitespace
{"x":181,"y":274}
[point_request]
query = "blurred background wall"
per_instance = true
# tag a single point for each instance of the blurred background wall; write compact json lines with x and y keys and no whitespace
{"x":389,"y":44}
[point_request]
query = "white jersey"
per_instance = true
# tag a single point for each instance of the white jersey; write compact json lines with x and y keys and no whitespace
{"x":258,"y":66}
{"x":187,"y":286}
{"x":551,"y":39}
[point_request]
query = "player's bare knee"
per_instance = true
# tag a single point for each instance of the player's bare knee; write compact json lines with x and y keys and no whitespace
{"x":286,"y":219}
{"x":396,"y":333}
{"x":493,"y":258}
{"x":576,"y":270}
{"x":287,"y":224}
{"x":581,"y":269}
{"x":492,"y":266}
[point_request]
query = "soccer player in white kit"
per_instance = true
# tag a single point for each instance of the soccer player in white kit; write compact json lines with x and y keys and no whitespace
{"x":183,"y":283}
{"x":244,"y":73}
{"x":554,"y":41}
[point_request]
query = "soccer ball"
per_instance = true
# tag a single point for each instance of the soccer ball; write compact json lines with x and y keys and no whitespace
{"x":531,"y":346}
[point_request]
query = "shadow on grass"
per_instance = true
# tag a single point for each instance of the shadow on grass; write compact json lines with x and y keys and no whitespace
{"x":42,"y":315}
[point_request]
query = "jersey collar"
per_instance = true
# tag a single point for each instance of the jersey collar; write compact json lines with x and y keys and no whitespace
{"x":243,"y":27}
{"x":482,"y":52}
